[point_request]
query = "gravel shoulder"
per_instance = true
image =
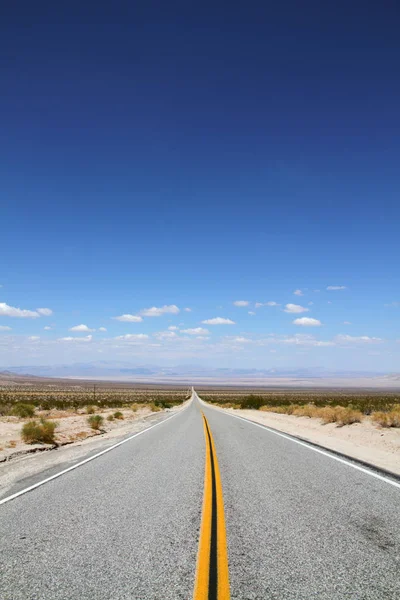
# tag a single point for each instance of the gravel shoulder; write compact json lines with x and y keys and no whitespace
{"x":362,"y":441}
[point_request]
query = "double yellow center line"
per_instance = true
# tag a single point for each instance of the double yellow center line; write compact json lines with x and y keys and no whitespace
{"x":212,"y":576}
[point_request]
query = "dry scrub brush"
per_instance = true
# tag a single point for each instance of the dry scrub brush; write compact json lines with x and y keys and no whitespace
{"x":387,"y":419}
{"x":34,"y":432}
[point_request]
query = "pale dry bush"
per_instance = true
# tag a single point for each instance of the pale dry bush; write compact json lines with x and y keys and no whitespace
{"x":387,"y":419}
{"x":280,"y":410}
{"x":309,"y":410}
{"x":328,"y":414}
{"x":348,"y":416}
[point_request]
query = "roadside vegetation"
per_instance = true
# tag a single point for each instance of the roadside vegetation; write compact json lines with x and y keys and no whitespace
{"x":81,"y":410}
{"x":342,"y":408}
{"x":87,"y":398}
{"x":39,"y":432}
{"x":95,"y":422}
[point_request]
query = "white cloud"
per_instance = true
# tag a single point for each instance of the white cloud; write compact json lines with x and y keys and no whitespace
{"x":11,"y":311}
{"x":301,"y":339}
{"x":270,"y":303}
{"x":242,"y":340}
{"x":83,"y":328}
{"x":165,"y":335}
{"x":47,"y":328}
{"x":336,"y":287}
{"x":362,"y":339}
{"x":307,"y":322}
{"x":218,"y":321}
{"x":5,"y":328}
{"x":393,"y":304}
{"x":202,"y":337}
{"x":102,"y":329}
{"x":87,"y":338}
{"x":346,"y":322}
{"x":252,"y":313}
{"x":172,"y":327}
{"x":34,"y":338}
{"x":298,"y":293}
{"x":241,"y":303}
{"x":127,"y":318}
{"x":155,"y":311}
{"x":196,"y":331}
{"x":133,"y":337}
{"x":187,"y":309}
{"x":295,"y":308}
{"x":45,"y":312}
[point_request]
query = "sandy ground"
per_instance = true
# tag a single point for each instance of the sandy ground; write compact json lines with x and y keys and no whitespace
{"x":20,"y":460}
{"x":364,"y":441}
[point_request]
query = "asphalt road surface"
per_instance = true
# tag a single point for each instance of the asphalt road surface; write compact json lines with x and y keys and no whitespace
{"x":300,"y":525}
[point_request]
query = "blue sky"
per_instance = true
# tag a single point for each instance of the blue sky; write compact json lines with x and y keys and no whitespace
{"x":191,"y":159}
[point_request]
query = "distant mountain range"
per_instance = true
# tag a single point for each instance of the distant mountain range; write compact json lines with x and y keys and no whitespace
{"x":109,"y":368}
{"x":187,"y":374}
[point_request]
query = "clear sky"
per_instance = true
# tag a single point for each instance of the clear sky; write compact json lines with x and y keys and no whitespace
{"x":160,"y":155}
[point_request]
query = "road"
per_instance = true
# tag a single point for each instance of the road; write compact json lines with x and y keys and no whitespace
{"x":300,"y":525}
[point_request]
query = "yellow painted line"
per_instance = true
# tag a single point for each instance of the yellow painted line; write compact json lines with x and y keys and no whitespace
{"x":212,"y":575}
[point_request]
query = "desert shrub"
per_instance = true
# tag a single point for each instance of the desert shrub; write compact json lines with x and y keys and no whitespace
{"x":282,"y":410}
{"x":134,"y":407}
{"x":308,"y":410}
{"x":90,"y":410}
{"x":153,"y":407}
{"x":328,"y":414}
{"x":5,"y":409}
{"x":23,"y":410}
{"x":34,"y":432}
{"x":252,"y":401}
{"x":110,"y":418}
{"x":348,"y":416}
{"x":387,"y":419}
{"x":95,"y":421}
{"x":118,"y":415}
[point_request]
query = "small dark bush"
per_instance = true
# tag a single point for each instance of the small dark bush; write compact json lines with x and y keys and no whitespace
{"x":90,"y":410}
{"x":118,"y":415}
{"x":95,"y":421}
{"x":23,"y":410}
{"x":110,"y":418}
{"x":252,"y":402}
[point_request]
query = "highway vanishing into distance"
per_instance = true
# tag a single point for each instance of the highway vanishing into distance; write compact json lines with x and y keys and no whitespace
{"x":146,"y":520}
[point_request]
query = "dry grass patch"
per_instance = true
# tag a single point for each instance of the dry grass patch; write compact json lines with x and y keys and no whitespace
{"x":154,"y":408}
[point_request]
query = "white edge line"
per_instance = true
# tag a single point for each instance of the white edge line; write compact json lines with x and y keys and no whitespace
{"x":83,"y":462}
{"x":310,"y":447}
